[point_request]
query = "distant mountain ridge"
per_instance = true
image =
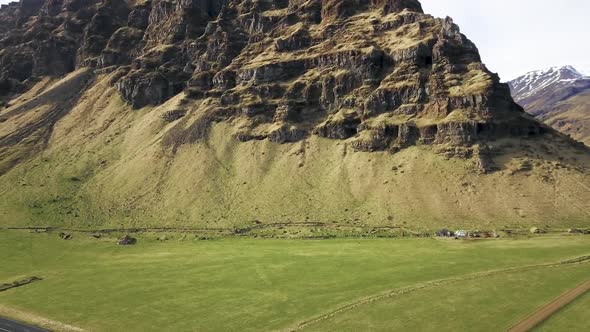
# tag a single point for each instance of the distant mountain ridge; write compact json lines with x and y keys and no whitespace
{"x":558,"y":96}
{"x":529,"y":88}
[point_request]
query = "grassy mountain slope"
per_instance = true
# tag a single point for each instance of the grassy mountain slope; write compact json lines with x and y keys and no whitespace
{"x":105,"y":165}
{"x":572,"y":117}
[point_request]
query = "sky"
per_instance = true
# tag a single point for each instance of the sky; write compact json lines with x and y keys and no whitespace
{"x":518,"y":36}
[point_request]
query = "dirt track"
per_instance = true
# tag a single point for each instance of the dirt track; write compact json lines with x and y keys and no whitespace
{"x":398,"y":292}
{"x":545,"y":312}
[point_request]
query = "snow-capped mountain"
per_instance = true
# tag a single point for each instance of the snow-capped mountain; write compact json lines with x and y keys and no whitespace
{"x":528,"y":87}
{"x":559,"y":96}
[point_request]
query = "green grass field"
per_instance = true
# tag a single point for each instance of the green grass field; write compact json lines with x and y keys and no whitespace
{"x":260,"y":285}
{"x":488,"y":304}
{"x":574,"y":317}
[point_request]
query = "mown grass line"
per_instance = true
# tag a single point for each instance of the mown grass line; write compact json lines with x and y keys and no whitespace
{"x":401,"y":291}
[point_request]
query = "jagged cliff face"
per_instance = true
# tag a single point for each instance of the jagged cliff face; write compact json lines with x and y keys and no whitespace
{"x":381,"y":72}
{"x":215,"y":113}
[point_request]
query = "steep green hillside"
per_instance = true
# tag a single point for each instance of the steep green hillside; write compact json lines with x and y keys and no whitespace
{"x":105,"y":165}
{"x":334,"y":117}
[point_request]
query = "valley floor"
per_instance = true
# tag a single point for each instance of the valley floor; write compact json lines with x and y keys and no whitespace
{"x":186,"y":284}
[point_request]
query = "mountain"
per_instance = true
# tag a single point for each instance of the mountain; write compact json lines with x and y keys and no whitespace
{"x":558,"y":96}
{"x":223,"y":114}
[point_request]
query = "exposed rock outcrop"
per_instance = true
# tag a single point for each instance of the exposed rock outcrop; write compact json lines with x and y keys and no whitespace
{"x":380,"y":73}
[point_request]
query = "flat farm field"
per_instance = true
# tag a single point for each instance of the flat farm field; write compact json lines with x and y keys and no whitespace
{"x":246,"y":284}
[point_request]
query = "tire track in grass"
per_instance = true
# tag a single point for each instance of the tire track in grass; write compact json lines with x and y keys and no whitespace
{"x":401,"y":291}
{"x":548,"y":310}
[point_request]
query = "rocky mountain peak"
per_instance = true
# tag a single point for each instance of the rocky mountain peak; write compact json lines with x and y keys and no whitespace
{"x":379,"y":73}
{"x":216,"y":113}
{"x":551,"y":84}
{"x":347,"y":8}
{"x":547,"y":76}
